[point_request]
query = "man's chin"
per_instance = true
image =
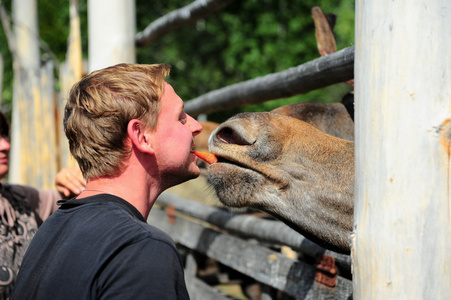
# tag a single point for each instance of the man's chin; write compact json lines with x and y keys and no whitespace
{"x":193,"y":174}
{"x":179,"y":178}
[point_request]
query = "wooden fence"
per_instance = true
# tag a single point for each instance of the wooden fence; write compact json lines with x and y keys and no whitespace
{"x":254,"y":247}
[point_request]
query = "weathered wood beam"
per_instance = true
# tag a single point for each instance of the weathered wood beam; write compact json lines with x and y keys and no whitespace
{"x":111,"y":33}
{"x":267,"y":231}
{"x":71,"y":70}
{"x":402,"y":214}
{"x":197,"y":10}
{"x":318,"y":73}
{"x":295,"y":278}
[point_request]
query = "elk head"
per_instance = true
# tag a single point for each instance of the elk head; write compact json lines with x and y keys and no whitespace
{"x":287,"y":168}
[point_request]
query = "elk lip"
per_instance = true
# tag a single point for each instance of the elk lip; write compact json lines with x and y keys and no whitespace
{"x":236,"y":164}
{"x":224,"y":160}
{"x":283,"y":184}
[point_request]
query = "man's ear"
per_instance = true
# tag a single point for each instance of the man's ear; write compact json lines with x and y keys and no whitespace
{"x":139,"y":136}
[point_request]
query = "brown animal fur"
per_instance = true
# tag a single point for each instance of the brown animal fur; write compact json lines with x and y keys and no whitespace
{"x":289,"y":169}
{"x":331,"y":118}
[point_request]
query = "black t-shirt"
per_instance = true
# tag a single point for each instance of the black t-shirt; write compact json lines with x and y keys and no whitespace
{"x":100,"y":247}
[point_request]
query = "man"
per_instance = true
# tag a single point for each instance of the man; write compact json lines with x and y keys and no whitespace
{"x":132,"y":140}
{"x":22,"y":210}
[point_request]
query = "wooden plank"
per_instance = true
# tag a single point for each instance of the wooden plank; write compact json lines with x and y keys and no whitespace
{"x":295,"y":278}
{"x":321,"y":72}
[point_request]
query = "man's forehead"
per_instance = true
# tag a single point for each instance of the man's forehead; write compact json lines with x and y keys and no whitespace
{"x":167,"y":87}
{"x":171,"y":98}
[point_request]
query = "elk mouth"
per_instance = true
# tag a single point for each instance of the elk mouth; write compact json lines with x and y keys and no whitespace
{"x":224,"y":164}
{"x":223,"y":160}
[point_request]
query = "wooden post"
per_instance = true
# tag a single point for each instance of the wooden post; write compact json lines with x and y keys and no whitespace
{"x":402,"y":237}
{"x":26,"y":68}
{"x":111,"y":32}
{"x":71,"y":70}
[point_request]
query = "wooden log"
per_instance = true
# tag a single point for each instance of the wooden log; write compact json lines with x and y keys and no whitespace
{"x":178,"y":18}
{"x":71,"y":70}
{"x":321,"y":72}
{"x":24,"y":45}
{"x":111,"y":33}
{"x":46,"y":129}
{"x":401,"y":246}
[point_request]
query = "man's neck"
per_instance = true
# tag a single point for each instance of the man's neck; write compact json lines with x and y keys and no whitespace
{"x":139,"y":193}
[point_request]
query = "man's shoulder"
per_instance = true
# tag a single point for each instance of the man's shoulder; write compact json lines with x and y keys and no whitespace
{"x":157,"y":234}
{"x":141,"y":231}
{"x":112,"y":216}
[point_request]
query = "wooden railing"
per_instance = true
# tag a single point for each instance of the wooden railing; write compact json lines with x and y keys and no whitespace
{"x":255,"y":247}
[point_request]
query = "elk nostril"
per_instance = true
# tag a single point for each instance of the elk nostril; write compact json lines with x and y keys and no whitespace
{"x":231,"y":136}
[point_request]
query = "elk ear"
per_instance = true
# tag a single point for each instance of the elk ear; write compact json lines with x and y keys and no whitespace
{"x":139,"y":136}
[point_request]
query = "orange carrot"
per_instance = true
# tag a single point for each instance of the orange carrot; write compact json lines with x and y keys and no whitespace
{"x":208,"y":157}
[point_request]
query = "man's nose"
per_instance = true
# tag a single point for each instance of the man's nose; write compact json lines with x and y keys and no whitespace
{"x":195,"y":126}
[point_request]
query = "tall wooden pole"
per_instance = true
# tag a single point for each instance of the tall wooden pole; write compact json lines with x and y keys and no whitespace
{"x":402,"y":237}
{"x":111,"y":32}
{"x":71,"y":71}
{"x":26,"y":68}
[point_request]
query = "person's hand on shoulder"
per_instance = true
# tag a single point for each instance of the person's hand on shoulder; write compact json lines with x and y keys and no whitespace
{"x":70,"y":182}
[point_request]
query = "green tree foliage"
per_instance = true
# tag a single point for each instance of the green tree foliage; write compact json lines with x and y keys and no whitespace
{"x":54,"y":27}
{"x":7,"y":91}
{"x":53,"y":24}
{"x":245,"y":40}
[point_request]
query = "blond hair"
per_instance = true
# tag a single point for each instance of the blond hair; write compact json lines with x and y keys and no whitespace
{"x":98,"y":111}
